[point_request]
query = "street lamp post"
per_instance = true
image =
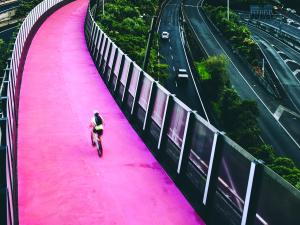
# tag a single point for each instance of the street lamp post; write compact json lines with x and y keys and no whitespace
{"x":227,"y":9}
{"x":149,"y":42}
{"x":103,"y":7}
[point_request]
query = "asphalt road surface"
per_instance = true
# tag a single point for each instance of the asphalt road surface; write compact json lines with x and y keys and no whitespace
{"x":284,"y":27}
{"x":173,"y":51}
{"x":6,"y":33}
{"x":284,"y":60}
{"x":290,"y":52}
{"x":8,"y":6}
{"x":242,"y":80}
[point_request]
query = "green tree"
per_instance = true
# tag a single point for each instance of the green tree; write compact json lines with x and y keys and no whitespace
{"x":264,"y":152}
{"x":4,"y":55}
{"x":216,"y":76}
{"x":25,"y":7}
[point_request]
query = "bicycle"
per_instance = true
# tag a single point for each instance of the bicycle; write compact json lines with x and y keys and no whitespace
{"x":98,"y":143}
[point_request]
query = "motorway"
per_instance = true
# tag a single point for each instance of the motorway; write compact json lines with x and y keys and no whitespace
{"x":244,"y":83}
{"x":174,"y":55}
{"x":283,"y":60}
{"x":4,"y":7}
{"x":283,"y":26}
{"x":6,"y":33}
{"x":289,"y":82}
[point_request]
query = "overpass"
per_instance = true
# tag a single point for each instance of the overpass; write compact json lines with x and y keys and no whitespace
{"x":60,"y":175}
{"x":51,"y":175}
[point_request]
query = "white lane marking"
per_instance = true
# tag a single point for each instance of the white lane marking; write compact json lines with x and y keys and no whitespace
{"x":160,"y":19}
{"x":280,"y":110}
{"x":288,"y":67}
{"x":193,"y":77}
{"x":296,"y":143}
{"x":265,"y":43}
{"x":296,"y":72}
{"x":172,"y":57}
{"x":289,"y":60}
{"x":173,"y":68}
{"x":7,"y":29}
{"x":288,"y":46}
{"x":170,"y":47}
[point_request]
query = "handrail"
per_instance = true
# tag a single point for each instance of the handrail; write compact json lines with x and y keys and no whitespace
{"x":9,"y":90}
{"x":228,"y":180}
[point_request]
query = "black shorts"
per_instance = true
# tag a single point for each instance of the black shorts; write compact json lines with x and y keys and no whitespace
{"x":99,"y":132}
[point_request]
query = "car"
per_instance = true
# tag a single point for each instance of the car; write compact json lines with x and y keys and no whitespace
{"x":165,"y":35}
{"x":289,"y":21}
{"x":182,"y":74}
{"x":293,"y":11}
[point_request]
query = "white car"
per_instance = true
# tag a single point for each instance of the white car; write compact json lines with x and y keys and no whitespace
{"x":182,"y":74}
{"x":165,"y":35}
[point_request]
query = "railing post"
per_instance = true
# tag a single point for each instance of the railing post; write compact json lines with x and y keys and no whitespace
{"x":94,"y":49}
{"x":113,"y":66}
{"x":165,"y":122}
{"x":103,"y":54}
{"x":137,"y":93}
{"x":150,"y":105}
{"x":125,"y":93}
{"x":98,"y":50}
{"x":119,"y":73}
{"x":91,"y":36}
{"x":94,"y":38}
{"x":212,"y":174}
{"x":252,"y":193}
{"x":186,"y":143}
{"x":107,"y":61}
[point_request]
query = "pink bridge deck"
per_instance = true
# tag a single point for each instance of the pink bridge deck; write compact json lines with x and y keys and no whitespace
{"x":61,"y":178}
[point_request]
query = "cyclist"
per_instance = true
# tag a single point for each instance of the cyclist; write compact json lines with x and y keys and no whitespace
{"x":97,"y":126}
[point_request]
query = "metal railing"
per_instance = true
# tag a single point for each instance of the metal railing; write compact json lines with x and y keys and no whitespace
{"x":286,"y":37}
{"x":9,"y":90}
{"x":231,"y":184}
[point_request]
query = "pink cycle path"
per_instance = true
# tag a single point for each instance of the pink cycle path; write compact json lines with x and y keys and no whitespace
{"x":61,"y":178}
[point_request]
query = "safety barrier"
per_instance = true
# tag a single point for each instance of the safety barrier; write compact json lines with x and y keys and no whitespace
{"x":10,"y":88}
{"x":284,"y":36}
{"x":231,"y":185}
